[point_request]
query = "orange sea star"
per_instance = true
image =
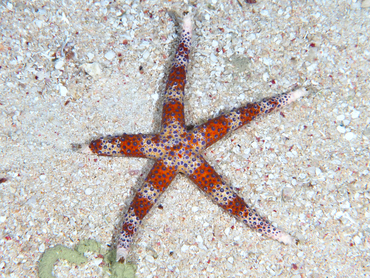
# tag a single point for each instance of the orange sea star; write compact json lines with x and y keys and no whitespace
{"x":177,"y":150}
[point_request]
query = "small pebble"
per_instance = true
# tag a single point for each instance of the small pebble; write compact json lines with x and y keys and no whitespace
{"x":365,"y":4}
{"x":42,"y":248}
{"x":367,"y":131}
{"x":345,"y":205}
{"x":92,"y":69}
{"x":341,"y":129}
{"x":31,"y":200}
{"x":267,"y":61}
{"x":90,"y":55}
{"x":184,"y":248}
{"x":355,"y":114}
{"x":350,"y":136}
{"x":230,"y":260}
{"x":155,"y":96}
{"x":39,"y":23}
{"x":199,"y":239}
{"x":312,"y":67}
{"x":150,"y":259}
{"x":97,"y":261}
{"x":251,"y":37}
{"x":346,"y":122}
{"x":110,"y":55}
{"x":340,"y":117}
{"x":357,"y":240}
{"x":254,"y":145}
{"x":146,"y":54}
{"x":62,"y":90}
{"x":227,"y":231}
{"x":59,"y":63}
{"x":213,"y":58}
{"x":88,"y":191}
{"x":287,"y":193}
{"x":338,"y":215}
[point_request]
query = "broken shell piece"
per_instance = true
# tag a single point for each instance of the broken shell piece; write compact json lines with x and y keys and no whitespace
{"x":59,"y":63}
{"x":92,"y":69}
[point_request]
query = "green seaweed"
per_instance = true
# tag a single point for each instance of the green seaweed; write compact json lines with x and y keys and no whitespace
{"x":76,"y":256}
{"x":58,"y":252}
{"x":126,"y":270}
{"x":110,"y":257}
{"x":88,"y":245}
{"x":119,"y":270}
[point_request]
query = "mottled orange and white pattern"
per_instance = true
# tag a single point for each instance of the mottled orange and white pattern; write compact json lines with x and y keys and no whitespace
{"x":177,"y":150}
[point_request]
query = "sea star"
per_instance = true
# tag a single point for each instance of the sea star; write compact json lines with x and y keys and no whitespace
{"x":177,"y":150}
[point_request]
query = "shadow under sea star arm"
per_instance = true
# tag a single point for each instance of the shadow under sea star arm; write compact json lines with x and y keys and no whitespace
{"x":158,"y":179}
{"x":215,"y":129}
{"x":130,"y":145}
{"x":207,"y":179}
{"x":173,"y":105}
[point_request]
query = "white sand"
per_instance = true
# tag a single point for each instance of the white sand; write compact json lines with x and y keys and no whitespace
{"x":306,"y":169}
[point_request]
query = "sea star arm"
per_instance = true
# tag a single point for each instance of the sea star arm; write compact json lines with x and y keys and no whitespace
{"x":207,"y":179}
{"x":173,"y":120}
{"x":158,"y":179}
{"x":131,"y":145}
{"x":215,"y":129}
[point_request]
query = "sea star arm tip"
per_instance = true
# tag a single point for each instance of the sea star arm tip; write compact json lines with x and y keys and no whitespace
{"x":285,"y":238}
{"x":173,"y":119}
{"x":210,"y":182}
{"x":121,"y":254}
{"x":301,"y":92}
{"x":217,"y":128}
{"x":85,"y":149}
{"x":158,"y":179}
{"x":129,"y":145}
{"x":187,"y":23}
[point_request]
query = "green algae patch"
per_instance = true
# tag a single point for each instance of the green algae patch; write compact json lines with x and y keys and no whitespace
{"x":58,"y":252}
{"x":123,"y":270}
{"x":119,"y":270}
{"x":88,"y":245}
{"x":76,"y":256}
{"x":110,"y":257}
